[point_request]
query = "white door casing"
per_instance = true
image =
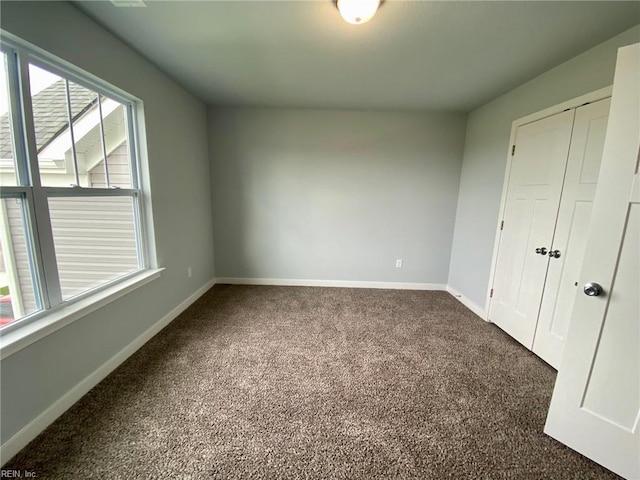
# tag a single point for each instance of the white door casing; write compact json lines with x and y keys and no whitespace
{"x":595,"y":408}
{"x":580,"y":181}
{"x":531,"y":207}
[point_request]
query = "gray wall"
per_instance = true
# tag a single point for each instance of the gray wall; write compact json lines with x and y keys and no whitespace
{"x":334,"y":195}
{"x":485,"y":156}
{"x":35,"y":377}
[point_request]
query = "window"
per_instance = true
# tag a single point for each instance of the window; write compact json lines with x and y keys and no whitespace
{"x":70,"y":199}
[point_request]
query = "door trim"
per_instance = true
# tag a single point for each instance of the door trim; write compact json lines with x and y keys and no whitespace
{"x":547,"y":112}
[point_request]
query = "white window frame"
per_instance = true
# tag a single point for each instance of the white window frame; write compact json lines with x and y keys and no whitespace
{"x":54,"y":312}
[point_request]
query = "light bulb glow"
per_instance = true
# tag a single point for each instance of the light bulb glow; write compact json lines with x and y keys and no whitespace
{"x":357,"y":12}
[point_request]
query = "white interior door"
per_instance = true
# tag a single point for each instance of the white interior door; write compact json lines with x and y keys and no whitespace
{"x":595,"y":408}
{"x":533,"y":195}
{"x":580,"y":181}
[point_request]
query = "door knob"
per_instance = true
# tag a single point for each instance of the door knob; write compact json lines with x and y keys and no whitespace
{"x":592,"y":289}
{"x":541,"y":250}
{"x":554,"y":253}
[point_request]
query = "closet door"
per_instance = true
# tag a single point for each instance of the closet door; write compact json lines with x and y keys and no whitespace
{"x":533,"y":196}
{"x":583,"y":167}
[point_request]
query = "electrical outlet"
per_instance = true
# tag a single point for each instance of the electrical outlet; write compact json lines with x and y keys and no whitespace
{"x":399,"y":263}
{"x":189,"y":272}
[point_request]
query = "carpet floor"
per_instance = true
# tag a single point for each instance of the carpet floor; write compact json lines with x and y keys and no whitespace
{"x":298,"y":382}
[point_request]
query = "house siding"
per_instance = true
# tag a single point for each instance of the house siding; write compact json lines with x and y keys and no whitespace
{"x":119,"y":170}
{"x":94,"y":240}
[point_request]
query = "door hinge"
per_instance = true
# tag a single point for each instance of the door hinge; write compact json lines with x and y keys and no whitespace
{"x":491,"y":293}
{"x":502,"y":225}
{"x":513,"y":150}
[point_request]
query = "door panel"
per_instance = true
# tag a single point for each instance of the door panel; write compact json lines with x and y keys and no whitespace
{"x":597,"y":115}
{"x":583,"y":166}
{"x":595,"y":408}
{"x":533,"y":196}
{"x":562,"y":276}
{"x":612,"y":390}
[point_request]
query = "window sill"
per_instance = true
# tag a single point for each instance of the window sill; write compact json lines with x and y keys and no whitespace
{"x":38,"y":328}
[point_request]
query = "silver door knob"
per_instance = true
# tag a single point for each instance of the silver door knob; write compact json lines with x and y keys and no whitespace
{"x":593,"y":289}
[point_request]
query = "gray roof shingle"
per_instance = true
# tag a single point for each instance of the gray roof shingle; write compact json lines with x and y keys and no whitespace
{"x":50,"y":114}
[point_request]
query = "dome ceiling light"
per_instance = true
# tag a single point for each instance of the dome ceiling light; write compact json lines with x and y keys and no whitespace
{"x":357,"y":12}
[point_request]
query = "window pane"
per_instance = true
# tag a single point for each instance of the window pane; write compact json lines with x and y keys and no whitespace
{"x":98,"y":130}
{"x":117,"y":147}
{"x":51,"y":121}
{"x":86,"y":131}
{"x":95,"y":240}
{"x":17,"y":293}
{"x":7,"y":155}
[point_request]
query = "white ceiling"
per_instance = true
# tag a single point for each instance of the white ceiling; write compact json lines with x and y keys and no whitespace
{"x":433,"y":55}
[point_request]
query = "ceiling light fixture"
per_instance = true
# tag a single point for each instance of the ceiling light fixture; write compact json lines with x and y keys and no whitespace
{"x":357,"y":12}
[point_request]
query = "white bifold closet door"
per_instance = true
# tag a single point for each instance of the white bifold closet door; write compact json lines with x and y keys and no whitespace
{"x":553,"y":175}
{"x":533,"y":196}
{"x":581,"y":179}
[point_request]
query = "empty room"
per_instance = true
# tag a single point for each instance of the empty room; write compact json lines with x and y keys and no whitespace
{"x":320,"y":239}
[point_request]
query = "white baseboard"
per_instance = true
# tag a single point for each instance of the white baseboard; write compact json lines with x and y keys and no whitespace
{"x":471,"y":305}
{"x":18,"y":441}
{"x":288,"y":282}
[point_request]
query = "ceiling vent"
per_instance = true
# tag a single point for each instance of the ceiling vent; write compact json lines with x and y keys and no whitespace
{"x":129,"y":3}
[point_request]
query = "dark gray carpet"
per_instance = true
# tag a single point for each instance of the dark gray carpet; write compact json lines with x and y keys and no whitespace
{"x":294,"y":382}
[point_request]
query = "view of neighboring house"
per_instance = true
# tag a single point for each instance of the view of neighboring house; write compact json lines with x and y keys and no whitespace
{"x":91,"y":248}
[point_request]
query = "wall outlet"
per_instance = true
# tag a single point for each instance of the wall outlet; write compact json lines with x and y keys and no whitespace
{"x":189,"y":272}
{"x":399,"y":263}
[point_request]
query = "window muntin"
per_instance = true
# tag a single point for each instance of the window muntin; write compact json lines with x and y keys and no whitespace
{"x":82,"y":208}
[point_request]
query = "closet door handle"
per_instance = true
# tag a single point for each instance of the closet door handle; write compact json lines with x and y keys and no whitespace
{"x":541,"y":251}
{"x":554,"y":253}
